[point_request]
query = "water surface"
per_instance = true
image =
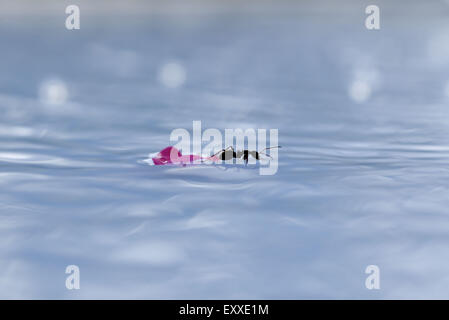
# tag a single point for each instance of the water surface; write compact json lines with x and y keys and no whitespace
{"x":363,"y":172}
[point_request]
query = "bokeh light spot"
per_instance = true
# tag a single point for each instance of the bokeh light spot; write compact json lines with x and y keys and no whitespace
{"x":172,"y":75}
{"x":53,"y":92}
{"x":360,"y":91}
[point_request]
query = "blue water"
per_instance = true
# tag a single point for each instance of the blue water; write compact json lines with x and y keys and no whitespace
{"x":359,"y":182}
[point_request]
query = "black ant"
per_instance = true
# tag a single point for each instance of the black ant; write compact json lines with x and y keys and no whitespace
{"x":229,"y":153}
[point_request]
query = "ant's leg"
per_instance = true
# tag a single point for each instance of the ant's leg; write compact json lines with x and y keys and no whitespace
{"x":224,"y":150}
{"x":266,"y":155}
{"x":261,"y":152}
{"x":245,"y":158}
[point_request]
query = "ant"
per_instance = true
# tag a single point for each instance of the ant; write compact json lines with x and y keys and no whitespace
{"x":229,"y":153}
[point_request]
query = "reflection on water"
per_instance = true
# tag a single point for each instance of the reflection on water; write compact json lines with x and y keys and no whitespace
{"x":362,"y":176}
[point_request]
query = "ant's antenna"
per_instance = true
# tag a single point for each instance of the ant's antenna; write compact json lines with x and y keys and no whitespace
{"x":271,"y":148}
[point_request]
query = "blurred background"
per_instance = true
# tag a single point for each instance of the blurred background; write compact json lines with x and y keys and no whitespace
{"x":363,"y":172}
